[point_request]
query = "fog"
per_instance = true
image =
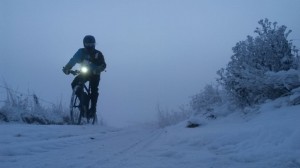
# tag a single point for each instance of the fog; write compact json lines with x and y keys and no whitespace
{"x":158,"y":52}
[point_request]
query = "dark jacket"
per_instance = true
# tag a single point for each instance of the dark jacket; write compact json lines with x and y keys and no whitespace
{"x":93,"y":59}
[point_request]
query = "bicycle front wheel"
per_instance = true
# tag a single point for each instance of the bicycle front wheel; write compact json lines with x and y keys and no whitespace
{"x":75,"y":114}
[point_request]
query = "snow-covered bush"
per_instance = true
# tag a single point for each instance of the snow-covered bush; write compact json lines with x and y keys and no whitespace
{"x":28,"y":109}
{"x":171,"y":117}
{"x":205,"y":101}
{"x":249,"y":76}
{"x":202,"y":105}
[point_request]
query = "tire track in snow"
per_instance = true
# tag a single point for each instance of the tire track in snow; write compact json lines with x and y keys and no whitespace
{"x":66,"y":146}
{"x":121,"y":156}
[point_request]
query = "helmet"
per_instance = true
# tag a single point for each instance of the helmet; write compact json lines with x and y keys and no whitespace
{"x":89,"y":42}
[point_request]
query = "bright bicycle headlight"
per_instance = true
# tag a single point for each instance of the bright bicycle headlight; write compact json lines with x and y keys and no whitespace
{"x":84,"y":69}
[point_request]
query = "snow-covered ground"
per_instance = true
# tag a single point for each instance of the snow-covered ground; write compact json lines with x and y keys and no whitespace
{"x":268,"y":138}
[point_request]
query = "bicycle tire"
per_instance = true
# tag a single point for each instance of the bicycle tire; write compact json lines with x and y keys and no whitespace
{"x":79,"y":110}
{"x":75,"y":113}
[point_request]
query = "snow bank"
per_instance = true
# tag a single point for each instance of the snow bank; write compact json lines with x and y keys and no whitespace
{"x":270,"y":138}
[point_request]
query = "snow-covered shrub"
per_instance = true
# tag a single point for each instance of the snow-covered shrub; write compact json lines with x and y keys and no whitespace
{"x":247,"y":76}
{"x":294,"y":98}
{"x":205,"y":101}
{"x":167,"y":117}
{"x":202,"y":105}
{"x":28,"y":109}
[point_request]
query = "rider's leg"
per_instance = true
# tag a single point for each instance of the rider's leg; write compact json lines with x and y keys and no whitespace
{"x":94,"y":83}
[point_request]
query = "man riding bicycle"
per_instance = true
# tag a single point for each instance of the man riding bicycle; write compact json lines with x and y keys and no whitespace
{"x":94,"y":60}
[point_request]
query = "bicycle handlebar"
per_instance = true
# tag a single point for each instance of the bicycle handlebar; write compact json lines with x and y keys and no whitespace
{"x":74,"y":72}
{"x":83,"y":70}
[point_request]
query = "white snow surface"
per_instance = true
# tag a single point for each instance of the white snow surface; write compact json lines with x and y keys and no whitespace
{"x":267,"y":138}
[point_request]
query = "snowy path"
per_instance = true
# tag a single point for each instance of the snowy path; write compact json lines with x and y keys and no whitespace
{"x":70,"y":146}
{"x":265,"y":140}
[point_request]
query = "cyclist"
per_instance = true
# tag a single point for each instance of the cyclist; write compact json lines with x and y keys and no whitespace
{"x":94,"y":60}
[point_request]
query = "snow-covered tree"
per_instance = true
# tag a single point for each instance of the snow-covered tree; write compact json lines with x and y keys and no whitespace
{"x":246,"y":76}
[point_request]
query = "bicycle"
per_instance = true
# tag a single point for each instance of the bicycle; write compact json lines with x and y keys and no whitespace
{"x":79,"y":110}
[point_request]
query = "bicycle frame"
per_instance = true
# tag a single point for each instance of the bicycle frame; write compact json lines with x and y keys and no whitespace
{"x":76,"y":104}
{"x":86,"y":90}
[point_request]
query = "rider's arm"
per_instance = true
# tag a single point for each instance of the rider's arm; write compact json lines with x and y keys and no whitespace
{"x":100,"y":63}
{"x":75,"y":59}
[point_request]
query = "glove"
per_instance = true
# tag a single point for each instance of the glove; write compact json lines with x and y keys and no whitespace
{"x":66,"y":70}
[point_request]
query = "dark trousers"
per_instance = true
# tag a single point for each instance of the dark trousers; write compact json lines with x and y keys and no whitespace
{"x":94,"y":83}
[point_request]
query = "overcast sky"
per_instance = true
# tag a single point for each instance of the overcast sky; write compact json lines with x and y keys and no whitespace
{"x":157,"y":51}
